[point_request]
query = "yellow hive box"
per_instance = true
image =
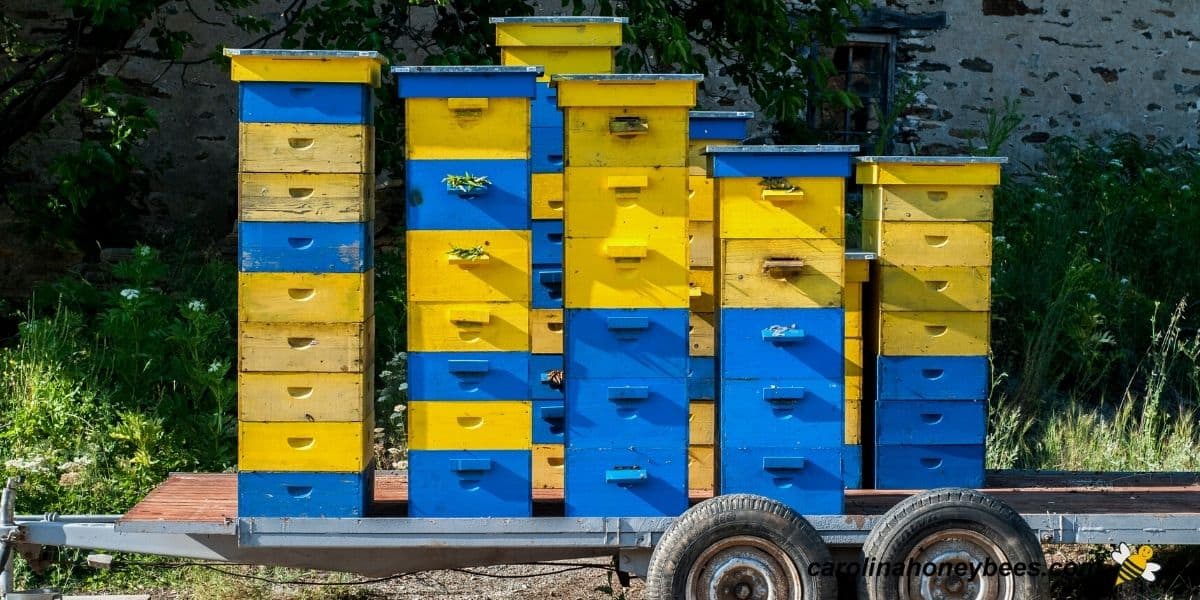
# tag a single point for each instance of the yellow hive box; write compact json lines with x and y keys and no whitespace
{"x":322,"y":447}
{"x":501,"y":274}
{"x":320,"y":397}
{"x":927,"y":203}
{"x":701,"y":466}
{"x":628,"y":203}
{"x":468,"y":326}
{"x":643,"y":90}
{"x":634,"y":273}
{"x":853,"y":421}
{"x":700,"y":244}
{"x":919,"y":170}
{"x":304,"y":148}
{"x":853,"y":349}
{"x":853,"y":299}
{"x":306,"y":347}
{"x":934,"y":333}
{"x":548,"y":466}
{"x":858,"y":271}
{"x":547,"y":196}
{"x":492,"y":425}
{"x":781,"y":273}
{"x":701,"y":419}
{"x":700,"y":197}
{"x":930,"y":244}
{"x":560,"y":44}
{"x":306,"y":66}
{"x":546,"y":331}
{"x":701,"y":291}
{"x":696,"y":148}
{"x":559,"y":60}
{"x":626,"y":137}
{"x":306,"y":297}
{"x":935,"y":288}
{"x":702,"y":335}
{"x":467,"y":128}
{"x":813,"y":208}
{"x":291,"y":197}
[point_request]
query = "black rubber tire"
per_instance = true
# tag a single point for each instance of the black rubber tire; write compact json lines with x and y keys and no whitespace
{"x":730,"y":516}
{"x":913,"y":520}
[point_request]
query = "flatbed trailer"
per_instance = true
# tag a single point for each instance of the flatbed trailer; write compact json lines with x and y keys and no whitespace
{"x":194,"y":516}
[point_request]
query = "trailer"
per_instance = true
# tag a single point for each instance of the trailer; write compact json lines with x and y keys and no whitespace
{"x":729,"y":546}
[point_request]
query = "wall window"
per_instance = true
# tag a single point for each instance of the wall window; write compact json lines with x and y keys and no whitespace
{"x":866,"y":65}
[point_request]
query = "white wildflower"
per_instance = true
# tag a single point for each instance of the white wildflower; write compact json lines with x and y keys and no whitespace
{"x":130,"y":294}
{"x":1148,"y":170}
{"x":1091,"y":296}
{"x":1124,"y":281}
{"x":1116,"y":162}
{"x":36,"y":464}
{"x":1083,"y":232}
{"x":216,"y":367}
{"x":143,"y":251}
{"x":1185,"y":188}
{"x":196,"y":306}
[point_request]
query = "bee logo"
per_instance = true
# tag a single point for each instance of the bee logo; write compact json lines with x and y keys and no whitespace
{"x":1133,"y":565}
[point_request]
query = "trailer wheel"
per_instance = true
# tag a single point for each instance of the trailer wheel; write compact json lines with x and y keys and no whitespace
{"x":947,"y":533}
{"x":739,"y":547}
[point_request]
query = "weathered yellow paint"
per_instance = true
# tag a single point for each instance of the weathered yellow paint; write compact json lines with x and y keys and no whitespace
{"x":322,"y":447}
{"x":548,"y":466}
{"x":858,"y":271}
{"x":852,"y":349}
{"x":916,"y":174}
{"x":629,"y":92}
{"x":306,"y":297}
{"x":701,"y":422}
{"x":757,"y":273}
{"x":556,"y":61}
{"x":546,"y":331}
{"x":468,"y":326}
{"x":853,"y":421}
{"x":558,"y":34}
{"x":701,"y":467}
{"x":502,"y":275}
{"x":306,"y":347}
{"x":696,"y":157}
{"x":926,"y":244}
{"x":853,"y":299}
{"x":935,"y":288}
{"x":927,"y":203}
{"x":934,"y":333}
{"x":305,"y":148}
{"x":291,"y":197}
{"x":701,"y":291}
{"x":634,"y":273}
{"x":813,"y":209}
{"x":700,"y":244}
{"x":364,"y":70}
{"x":481,"y":128}
{"x":626,"y":203}
{"x":702,"y":335}
{"x":700,"y":197}
{"x":547,"y":196}
{"x":491,"y":425}
{"x":321,"y":397}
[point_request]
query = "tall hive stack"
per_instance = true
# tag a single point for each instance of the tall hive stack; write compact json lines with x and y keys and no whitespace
{"x":858,"y":272}
{"x":468,"y":243}
{"x":929,"y":219}
{"x":705,"y":128}
{"x":305,"y":292}
{"x":560,"y":45}
{"x":780,"y":322}
{"x":626,"y":292}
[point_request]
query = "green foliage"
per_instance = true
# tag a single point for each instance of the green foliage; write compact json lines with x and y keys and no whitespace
{"x":906,"y":94}
{"x":768,"y":46}
{"x":998,"y":129}
{"x":466,"y":182}
{"x":468,"y":253}
{"x":109,"y":389}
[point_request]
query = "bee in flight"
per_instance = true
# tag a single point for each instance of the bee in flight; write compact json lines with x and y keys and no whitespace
{"x":1133,"y":565}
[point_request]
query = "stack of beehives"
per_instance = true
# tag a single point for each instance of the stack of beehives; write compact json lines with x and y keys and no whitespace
{"x":470,"y":418}
{"x":305,"y":302}
{"x":558,"y":45}
{"x":929,"y":219}
{"x":705,"y":128}
{"x":780,"y":321}
{"x":626,"y":292}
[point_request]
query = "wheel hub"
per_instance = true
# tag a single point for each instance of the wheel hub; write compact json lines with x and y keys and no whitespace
{"x":743,"y":568}
{"x":951,"y":564}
